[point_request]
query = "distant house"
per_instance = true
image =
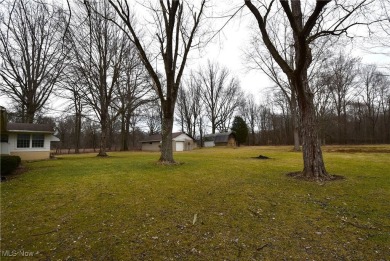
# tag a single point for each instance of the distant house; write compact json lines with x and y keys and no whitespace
{"x":180,"y":142}
{"x":27,"y":140}
{"x":220,"y":139}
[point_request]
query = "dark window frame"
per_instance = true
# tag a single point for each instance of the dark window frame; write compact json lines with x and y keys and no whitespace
{"x":38,"y":141}
{"x":22,"y":141}
{"x":4,"y":138}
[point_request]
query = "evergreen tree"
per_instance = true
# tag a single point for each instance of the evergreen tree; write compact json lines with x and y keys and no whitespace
{"x":241,"y":129}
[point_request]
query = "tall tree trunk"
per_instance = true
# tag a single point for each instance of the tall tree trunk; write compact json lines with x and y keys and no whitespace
{"x":30,"y":115}
{"x":201,"y":131}
{"x":253,"y":136}
{"x":127,"y":133}
{"x":345,"y":123}
{"x":295,"y":120}
{"x":297,"y":145}
{"x":123,"y":132}
{"x":103,"y":137}
{"x":314,"y":166}
{"x":166,"y":146}
{"x":77,"y":132}
{"x":388,"y":121}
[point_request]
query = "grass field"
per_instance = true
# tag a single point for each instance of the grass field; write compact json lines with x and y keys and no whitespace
{"x":220,"y":204}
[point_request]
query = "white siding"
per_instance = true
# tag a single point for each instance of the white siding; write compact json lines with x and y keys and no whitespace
{"x":183,"y":142}
{"x":151,"y":146}
{"x":208,"y":144}
{"x":180,"y":143}
{"x":4,"y":148}
{"x":12,"y":140}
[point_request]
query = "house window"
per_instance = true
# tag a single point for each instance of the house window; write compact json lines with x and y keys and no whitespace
{"x":4,"y":138}
{"x":23,"y":141}
{"x":38,"y":140}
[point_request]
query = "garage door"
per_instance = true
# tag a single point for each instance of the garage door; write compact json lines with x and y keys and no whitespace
{"x":179,"y":145}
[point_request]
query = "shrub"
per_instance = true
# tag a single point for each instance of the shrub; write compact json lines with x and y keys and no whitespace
{"x":241,"y":129}
{"x":9,"y":164}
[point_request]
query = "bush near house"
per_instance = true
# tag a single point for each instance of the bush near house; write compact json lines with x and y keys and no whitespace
{"x":9,"y":164}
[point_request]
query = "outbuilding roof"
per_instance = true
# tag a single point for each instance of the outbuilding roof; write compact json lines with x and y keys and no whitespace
{"x":29,"y":127}
{"x":219,"y":137}
{"x":158,"y":137}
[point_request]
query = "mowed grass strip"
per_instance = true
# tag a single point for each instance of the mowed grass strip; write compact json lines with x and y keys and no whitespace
{"x":218,"y":204}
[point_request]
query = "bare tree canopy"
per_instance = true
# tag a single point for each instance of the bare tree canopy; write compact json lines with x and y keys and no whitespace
{"x":32,"y":53}
{"x":133,"y":90}
{"x":189,"y":105}
{"x":152,"y":116}
{"x":174,"y":30}
{"x":98,"y":48}
{"x":221,"y":95}
{"x":250,"y":110}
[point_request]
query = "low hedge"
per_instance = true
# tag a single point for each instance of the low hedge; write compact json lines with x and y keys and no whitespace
{"x":9,"y":164}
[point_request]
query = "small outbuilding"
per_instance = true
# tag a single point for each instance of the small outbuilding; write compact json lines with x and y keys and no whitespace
{"x":180,"y":142}
{"x":227,"y":139}
{"x":27,"y":140}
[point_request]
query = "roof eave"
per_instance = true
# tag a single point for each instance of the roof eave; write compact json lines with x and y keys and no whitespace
{"x":30,"y":131}
{"x":144,"y":141}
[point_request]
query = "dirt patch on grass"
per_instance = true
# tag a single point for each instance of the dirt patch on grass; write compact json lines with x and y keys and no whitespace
{"x":261,"y":157}
{"x":168,"y":163}
{"x":299,"y":175}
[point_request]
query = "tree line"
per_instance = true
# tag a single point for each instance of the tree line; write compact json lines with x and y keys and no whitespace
{"x":352,"y":105}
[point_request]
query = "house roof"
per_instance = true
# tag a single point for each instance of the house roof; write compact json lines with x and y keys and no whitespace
{"x":157,"y":137}
{"x":219,"y":137}
{"x":209,"y":137}
{"x":29,"y":127}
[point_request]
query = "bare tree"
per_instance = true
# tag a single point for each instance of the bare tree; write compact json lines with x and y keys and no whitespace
{"x":258,"y":57}
{"x":323,"y":106}
{"x":32,"y":53}
{"x":174,"y":29}
{"x":71,"y":89}
{"x":249,"y":109}
{"x":384,"y":104}
{"x":152,"y":116}
{"x":189,"y":105}
{"x":305,"y":28}
{"x":372,"y":83}
{"x":132,"y":91}
{"x":99,"y":47}
{"x":341,"y":75}
{"x":263,"y":61}
{"x":65,"y":128}
{"x":135,"y":119}
{"x":221,"y":95}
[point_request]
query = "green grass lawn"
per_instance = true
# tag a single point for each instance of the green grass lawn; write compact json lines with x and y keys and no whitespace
{"x":220,"y":204}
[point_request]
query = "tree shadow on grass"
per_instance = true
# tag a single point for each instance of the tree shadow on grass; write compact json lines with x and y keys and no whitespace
{"x":299,"y":176}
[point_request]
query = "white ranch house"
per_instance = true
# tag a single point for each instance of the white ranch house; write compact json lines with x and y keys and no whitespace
{"x":27,"y":140}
